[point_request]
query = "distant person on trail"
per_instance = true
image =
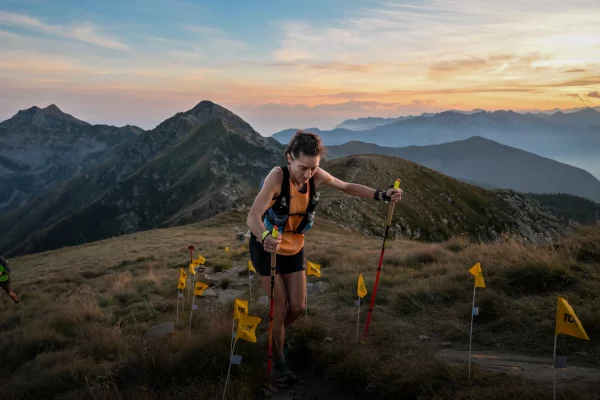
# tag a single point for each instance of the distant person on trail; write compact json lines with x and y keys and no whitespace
{"x":287,"y":198}
{"x":5,"y":272}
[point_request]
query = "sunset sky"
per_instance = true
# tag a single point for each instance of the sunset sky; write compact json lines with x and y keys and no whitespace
{"x":282,"y":64}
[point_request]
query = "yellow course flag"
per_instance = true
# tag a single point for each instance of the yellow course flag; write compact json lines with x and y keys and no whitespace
{"x":226,"y":248}
{"x":193,"y":269}
{"x":200,"y":259}
{"x":240,"y":308}
{"x":476,"y":271}
{"x":182,"y":274}
{"x":199,"y":289}
{"x":251,"y":267}
{"x":567,"y":322}
{"x":181,"y":284}
{"x":246,"y":328}
{"x":313,"y":269}
{"x":362,"y":290}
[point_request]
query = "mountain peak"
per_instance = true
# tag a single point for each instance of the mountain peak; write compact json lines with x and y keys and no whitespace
{"x":53,"y":108}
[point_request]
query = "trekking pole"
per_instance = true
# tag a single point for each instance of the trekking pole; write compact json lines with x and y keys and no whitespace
{"x":273,"y":266}
{"x":387,"y":228}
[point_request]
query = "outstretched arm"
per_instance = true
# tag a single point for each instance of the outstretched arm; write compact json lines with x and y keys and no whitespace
{"x":354,"y":189}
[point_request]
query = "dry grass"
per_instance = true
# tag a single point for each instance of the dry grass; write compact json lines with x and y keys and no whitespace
{"x":78,"y":332}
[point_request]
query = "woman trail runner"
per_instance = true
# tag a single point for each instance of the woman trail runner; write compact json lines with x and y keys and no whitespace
{"x":5,"y":279}
{"x":287,"y":199}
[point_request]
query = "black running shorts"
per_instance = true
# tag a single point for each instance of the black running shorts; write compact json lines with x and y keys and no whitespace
{"x":261,"y":260}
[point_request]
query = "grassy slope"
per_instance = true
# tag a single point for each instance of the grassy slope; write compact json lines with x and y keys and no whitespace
{"x":435,"y":206}
{"x":78,"y":330}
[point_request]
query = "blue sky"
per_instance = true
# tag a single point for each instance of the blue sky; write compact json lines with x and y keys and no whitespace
{"x":296,"y":64}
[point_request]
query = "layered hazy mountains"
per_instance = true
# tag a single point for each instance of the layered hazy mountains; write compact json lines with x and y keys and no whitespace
{"x":501,"y":149}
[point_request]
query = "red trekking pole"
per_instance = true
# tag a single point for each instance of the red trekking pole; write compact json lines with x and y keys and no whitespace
{"x":387,"y":228}
{"x":273,"y":266}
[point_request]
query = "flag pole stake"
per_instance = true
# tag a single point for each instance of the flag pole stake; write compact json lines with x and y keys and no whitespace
{"x":357,"y":319}
{"x":471,"y":334}
{"x":229,"y":369}
{"x":554,"y":370}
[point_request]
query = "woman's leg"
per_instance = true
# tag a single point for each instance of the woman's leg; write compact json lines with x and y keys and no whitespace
{"x":295,"y":284}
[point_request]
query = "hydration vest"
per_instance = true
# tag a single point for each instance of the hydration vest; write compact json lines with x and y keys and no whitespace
{"x":278,"y":213}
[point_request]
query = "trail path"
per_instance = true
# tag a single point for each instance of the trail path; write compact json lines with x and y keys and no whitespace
{"x":528,"y":367}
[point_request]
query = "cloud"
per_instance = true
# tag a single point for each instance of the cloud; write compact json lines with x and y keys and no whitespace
{"x":84,"y":32}
{"x":589,"y":81}
{"x":329,"y":66}
{"x":595,"y":94}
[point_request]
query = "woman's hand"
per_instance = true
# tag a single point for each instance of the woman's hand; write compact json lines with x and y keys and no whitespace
{"x":394,"y":194}
{"x":271,"y":244}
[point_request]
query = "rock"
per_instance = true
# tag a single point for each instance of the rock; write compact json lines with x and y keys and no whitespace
{"x":582,"y":354}
{"x":328,"y":340}
{"x":160,"y":331}
{"x":446,"y":344}
{"x":322,"y":286}
{"x":209,"y":293}
{"x":423,"y":337}
{"x":229,"y":295}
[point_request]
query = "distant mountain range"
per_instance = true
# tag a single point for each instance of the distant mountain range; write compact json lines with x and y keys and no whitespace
{"x":367,"y":123}
{"x":571,"y":136}
{"x":40,"y":147}
{"x":488,"y":164}
{"x":207,"y":160}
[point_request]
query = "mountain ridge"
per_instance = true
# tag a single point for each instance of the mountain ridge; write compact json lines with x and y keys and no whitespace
{"x":147,"y":183}
{"x":478,"y":159}
{"x":41,"y":147}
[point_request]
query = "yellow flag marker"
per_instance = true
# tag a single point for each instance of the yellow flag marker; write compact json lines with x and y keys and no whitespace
{"x":313,"y":269}
{"x":362,"y":290}
{"x":476,"y":271}
{"x":199,"y":288}
{"x":200,"y":259}
{"x":193,"y":269}
{"x":251,"y":267}
{"x":567,"y":322}
{"x":181,"y":284}
{"x":226,"y":248}
{"x":246,"y":328}
{"x":240,"y":308}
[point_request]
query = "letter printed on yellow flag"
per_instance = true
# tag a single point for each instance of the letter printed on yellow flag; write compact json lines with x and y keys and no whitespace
{"x":199,"y":288}
{"x":362,"y":290}
{"x":246,"y":328}
{"x":476,"y":271}
{"x":567,"y":322}
{"x":313,"y":269}
{"x":240,"y":308}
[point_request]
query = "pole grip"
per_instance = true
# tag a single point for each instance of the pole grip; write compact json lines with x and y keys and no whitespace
{"x":391,"y":210}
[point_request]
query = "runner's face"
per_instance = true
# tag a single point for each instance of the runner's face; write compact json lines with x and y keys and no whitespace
{"x":304,"y":167}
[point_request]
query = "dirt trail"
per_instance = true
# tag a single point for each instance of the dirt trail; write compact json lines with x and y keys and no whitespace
{"x":528,"y":367}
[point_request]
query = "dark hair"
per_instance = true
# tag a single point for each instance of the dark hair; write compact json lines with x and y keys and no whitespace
{"x":306,"y":143}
